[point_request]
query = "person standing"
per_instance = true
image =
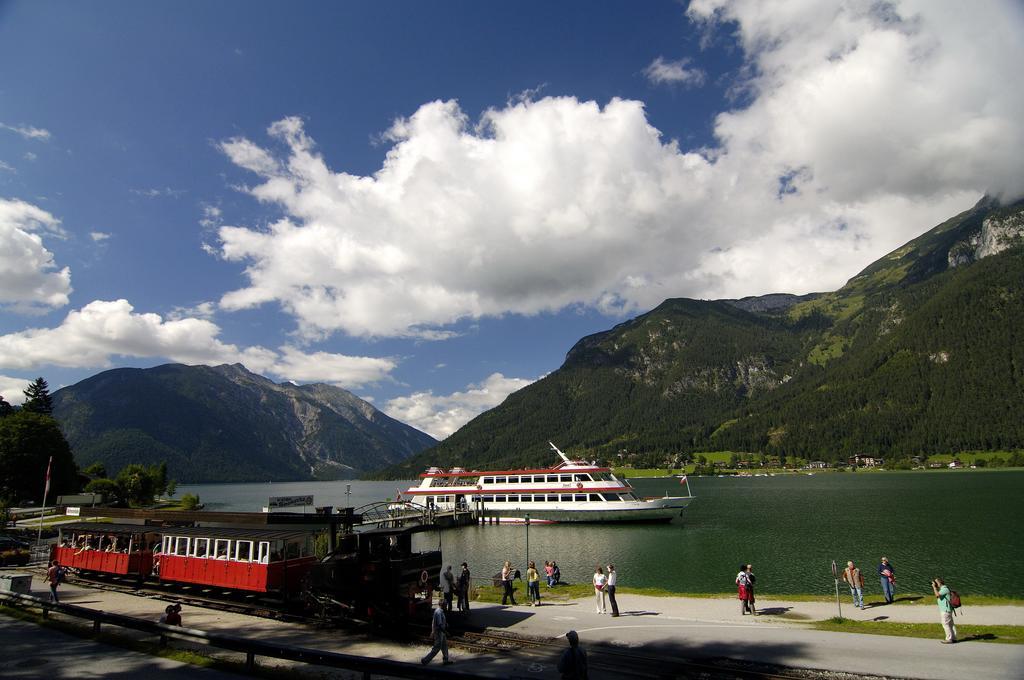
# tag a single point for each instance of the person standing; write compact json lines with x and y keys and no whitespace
{"x":741,"y":588}
{"x":600,"y":581}
{"x":942,"y":598}
{"x":855,"y":579}
{"x":887,"y":576}
{"x":54,"y":575}
{"x":506,"y":584}
{"x":549,"y":571}
{"x":463,"y":588}
{"x":439,"y":633}
{"x":533,"y":584}
{"x":613,"y":577}
{"x":750,"y":590}
{"x":448,"y":588}
{"x":573,"y":664}
{"x":556,"y":574}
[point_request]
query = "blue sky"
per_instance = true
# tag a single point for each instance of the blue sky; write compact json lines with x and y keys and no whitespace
{"x":429,"y":203}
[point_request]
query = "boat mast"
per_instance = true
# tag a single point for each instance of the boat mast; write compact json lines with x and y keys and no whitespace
{"x":564,"y":457}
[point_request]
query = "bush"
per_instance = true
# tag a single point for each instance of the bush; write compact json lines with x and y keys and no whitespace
{"x":189,"y":501}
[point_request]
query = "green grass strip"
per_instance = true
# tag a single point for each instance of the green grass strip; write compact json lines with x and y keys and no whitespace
{"x":1013,"y":635}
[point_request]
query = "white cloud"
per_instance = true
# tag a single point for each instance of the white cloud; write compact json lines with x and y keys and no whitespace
{"x":158,"y":192}
{"x":99,"y":236}
{"x":28,"y":132}
{"x":29,"y":279}
{"x":92,"y":336}
{"x":203,"y":310}
{"x":4,"y":167}
{"x":441,"y":415}
{"x":679,"y":72}
{"x":13,"y":389}
{"x":866,"y":123}
{"x":29,"y":156}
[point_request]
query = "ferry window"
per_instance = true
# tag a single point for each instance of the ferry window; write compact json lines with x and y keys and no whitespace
{"x":513,"y":499}
{"x":582,"y":478}
{"x":243,"y":551}
{"x":475,"y":498}
{"x":565,"y":478}
{"x":487,"y":480}
{"x":264,"y":552}
{"x":182,"y":546}
{"x":513,"y":480}
{"x":430,"y":501}
{"x":581,"y":497}
{"x":222,"y":548}
{"x":500,"y":480}
{"x":552,"y":498}
{"x":500,"y":499}
{"x":594,"y":497}
{"x":200,"y":547}
{"x":611,"y":496}
{"x":488,"y":498}
{"x":566,"y":497}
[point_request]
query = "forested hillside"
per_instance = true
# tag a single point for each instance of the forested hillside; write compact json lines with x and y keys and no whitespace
{"x":922,"y":352}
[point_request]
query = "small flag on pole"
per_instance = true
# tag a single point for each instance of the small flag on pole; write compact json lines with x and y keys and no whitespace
{"x":682,"y":480}
{"x":46,"y":489}
{"x":398,"y":494}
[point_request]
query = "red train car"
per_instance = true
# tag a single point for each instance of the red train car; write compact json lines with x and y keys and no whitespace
{"x":122,"y":549}
{"x":271,"y":561}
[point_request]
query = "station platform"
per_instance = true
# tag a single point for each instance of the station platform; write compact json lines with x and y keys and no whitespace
{"x":650,"y":627}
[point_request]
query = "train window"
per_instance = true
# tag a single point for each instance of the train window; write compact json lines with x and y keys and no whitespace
{"x":565,"y":478}
{"x":222,"y":548}
{"x":181,"y":548}
{"x":581,"y":497}
{"x":292,"y":550}
{"x":200,"y":547}
{"x":243,"y":551}
{"x":501,"y":480}
{"x":264,"y":555}
{"x":168,"y":547}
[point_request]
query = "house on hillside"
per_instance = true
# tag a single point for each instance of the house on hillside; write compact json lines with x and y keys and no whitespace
{"x":817,"y":465}
{"x":865,"y":461}
{"x":955,"y":463}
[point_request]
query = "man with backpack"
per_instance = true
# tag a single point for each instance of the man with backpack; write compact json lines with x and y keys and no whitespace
{"x":573,"y":664}
{"x":947,"y":600}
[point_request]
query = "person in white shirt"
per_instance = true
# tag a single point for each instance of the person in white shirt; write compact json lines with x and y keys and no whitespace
{"x":600,"y":581}
{"x":613,"y":577}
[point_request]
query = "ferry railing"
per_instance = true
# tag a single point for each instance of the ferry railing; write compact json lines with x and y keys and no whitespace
{"x":368,"y":666}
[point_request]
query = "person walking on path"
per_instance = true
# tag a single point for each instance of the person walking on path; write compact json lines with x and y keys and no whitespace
{"x":600,"y":581}
{"x":749,"y":602}
{"x":853,"y":576}
{"x":506,"y":584}
{"x":448,"y":588}
{"x":613,"y":577}
{"x":54,"y":575}
{"x":942,"y":598}
{"x":439,"y":633}
{"x":463,"y":588}
{"x":742,"y":581}
{"x":887,"y":576}
{"x":533,"y":584}
{"x":573,"y":664}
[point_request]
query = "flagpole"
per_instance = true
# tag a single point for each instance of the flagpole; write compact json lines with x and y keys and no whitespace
{"x":46,"y":490}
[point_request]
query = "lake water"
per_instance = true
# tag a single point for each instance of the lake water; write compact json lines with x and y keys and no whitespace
{"x":958,"y":525}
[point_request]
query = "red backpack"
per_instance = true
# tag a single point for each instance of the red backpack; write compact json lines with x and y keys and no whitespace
{"x":954,"y":600}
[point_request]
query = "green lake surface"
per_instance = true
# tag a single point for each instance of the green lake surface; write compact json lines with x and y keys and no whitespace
{"x":960,"y":525}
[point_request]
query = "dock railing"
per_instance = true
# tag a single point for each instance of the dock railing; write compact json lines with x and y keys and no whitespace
{"x":368,"y":666}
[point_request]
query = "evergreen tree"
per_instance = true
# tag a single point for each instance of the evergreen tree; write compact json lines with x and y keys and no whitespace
{"x":5,"y":408}
{"x":27,"y":441}
{"x":37,"y":398}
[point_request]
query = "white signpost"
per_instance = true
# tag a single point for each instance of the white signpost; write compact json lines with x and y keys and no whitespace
{"x":835,"y":575}
{"x":289,"y":502}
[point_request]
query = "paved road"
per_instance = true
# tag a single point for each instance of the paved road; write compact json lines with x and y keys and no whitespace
{"x":31,"y":651}
{"x":673,"y":627}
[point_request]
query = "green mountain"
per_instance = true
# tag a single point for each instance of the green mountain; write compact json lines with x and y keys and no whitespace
{"x":223,"y":423}
{"x":922,"y":352}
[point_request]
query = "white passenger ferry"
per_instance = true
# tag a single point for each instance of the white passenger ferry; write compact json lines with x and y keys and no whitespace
{"x":572,"y":491}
